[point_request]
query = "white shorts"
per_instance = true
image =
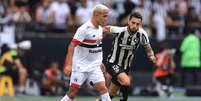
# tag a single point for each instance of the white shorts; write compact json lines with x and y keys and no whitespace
{"x":78,"y":78}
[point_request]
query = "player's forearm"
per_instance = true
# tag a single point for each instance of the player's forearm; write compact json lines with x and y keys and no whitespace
{"x":70,"y":54}
{"x":149,"y":50}
{"x":106,"y":29}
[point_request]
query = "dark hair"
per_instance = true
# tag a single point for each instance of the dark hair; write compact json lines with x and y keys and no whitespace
{"x":136,"y":15}
{"x":4,"y":48}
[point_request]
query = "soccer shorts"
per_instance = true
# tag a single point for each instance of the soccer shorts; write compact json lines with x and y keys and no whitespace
{"x":114,"y":70}
{"x":78,"y":78}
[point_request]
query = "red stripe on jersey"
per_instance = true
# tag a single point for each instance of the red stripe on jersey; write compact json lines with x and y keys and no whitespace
{"x":76,"y":42}
{"x":90,"y":41}
{"x":74,"y":85}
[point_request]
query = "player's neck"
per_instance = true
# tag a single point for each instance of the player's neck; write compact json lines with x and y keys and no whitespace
{"x":131,"y":32}
{"x":94,"y":22}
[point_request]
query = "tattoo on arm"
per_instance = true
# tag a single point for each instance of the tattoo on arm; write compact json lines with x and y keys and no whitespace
{"x":149,"y":50}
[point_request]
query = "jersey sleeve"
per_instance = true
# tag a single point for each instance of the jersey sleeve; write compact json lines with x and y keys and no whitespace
{"x":79,"y":35}
{"x":144,"y":37}
{"x":115,"y":29}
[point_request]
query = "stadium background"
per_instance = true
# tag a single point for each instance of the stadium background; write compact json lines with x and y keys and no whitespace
{"x":50,"y":44}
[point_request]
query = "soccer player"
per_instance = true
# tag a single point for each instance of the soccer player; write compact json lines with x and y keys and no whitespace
{"x":127,"y":40}
{"x":84,"y":56}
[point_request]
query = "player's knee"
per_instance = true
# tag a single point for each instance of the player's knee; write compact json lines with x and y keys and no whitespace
{"x":112,"y":92}
{"x":73,"y":91}
{"x":71,"y":95}
{"x":101,"y":88}
{"x":126,"y":82}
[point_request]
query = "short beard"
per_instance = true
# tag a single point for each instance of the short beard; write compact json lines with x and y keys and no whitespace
{"x":129,"y":30}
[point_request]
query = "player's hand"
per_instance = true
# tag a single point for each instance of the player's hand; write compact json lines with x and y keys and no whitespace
{"x":67,"y":70}
{"x":102,"y":66}
{"x":153,"y":59}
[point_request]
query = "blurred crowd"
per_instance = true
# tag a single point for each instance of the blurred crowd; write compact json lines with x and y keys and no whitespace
{"x":161,"y":18}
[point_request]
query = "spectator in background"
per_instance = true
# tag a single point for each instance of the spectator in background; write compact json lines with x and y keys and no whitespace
{"x":128,"y":6}
{"x":174,"y":21}
{"x":12,"y":6}
{"x":196,"y":4}
{"x":6,"y":17}
{"x":61,"y":15}
{"x":192,"y":21}
{"x":44,"y":16}
{"x":73,"y":5}
{"x":22,"y":18}
{"x":113,"y":15}
{"x":159,"y":26}
{"x":52,"y":79}
{"x":145,"y":9}
{"x":182,"y":6}
{"x":163,"y":74}
{"x":10,"y":60}
{"x":22,"y":15}
{"x":161,"y":7}
{"x":190,"y":59}
{"x":2,"y":9}
{"x":83,"y":12}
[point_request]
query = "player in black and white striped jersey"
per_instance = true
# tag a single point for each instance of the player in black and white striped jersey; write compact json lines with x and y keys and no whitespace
{"x":127,"y":40}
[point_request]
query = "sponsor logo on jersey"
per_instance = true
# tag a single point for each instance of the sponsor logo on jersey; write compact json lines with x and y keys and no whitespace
{"x":95,"y":51}
{"x":128,"y":47}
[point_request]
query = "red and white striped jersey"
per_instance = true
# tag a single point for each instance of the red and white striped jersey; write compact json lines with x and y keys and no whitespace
{"x":88,"y":55}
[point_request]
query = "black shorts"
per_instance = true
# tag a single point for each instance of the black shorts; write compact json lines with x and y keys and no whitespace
{"x":114,"y":70}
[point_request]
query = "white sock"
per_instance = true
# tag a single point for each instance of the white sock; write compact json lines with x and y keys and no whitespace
{"x":66,"y":98}
{"x":105,"y":97}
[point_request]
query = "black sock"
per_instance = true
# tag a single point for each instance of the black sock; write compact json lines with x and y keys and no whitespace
{"x":124,"y":91}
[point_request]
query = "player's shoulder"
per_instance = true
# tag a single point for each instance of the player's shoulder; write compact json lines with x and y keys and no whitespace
{"x":83,"y":26}
{"x":142,"y":31}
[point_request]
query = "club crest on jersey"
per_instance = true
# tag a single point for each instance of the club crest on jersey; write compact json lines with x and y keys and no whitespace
{"x":98,"y":42}
{"x":136,"y":40}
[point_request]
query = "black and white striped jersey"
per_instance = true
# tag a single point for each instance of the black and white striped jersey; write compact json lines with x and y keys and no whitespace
{"x":125,"y":44}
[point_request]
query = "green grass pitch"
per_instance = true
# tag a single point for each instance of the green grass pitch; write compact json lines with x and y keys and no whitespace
{"x":93,"y":99}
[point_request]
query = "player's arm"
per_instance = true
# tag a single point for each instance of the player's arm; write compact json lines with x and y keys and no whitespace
{"x":69,"y":56}
{"x":106,"y":29}
{"x":112,"y":29}
{"x":77,"y":40}
{"x":147,"y":46}
{"x":150,"y":53}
